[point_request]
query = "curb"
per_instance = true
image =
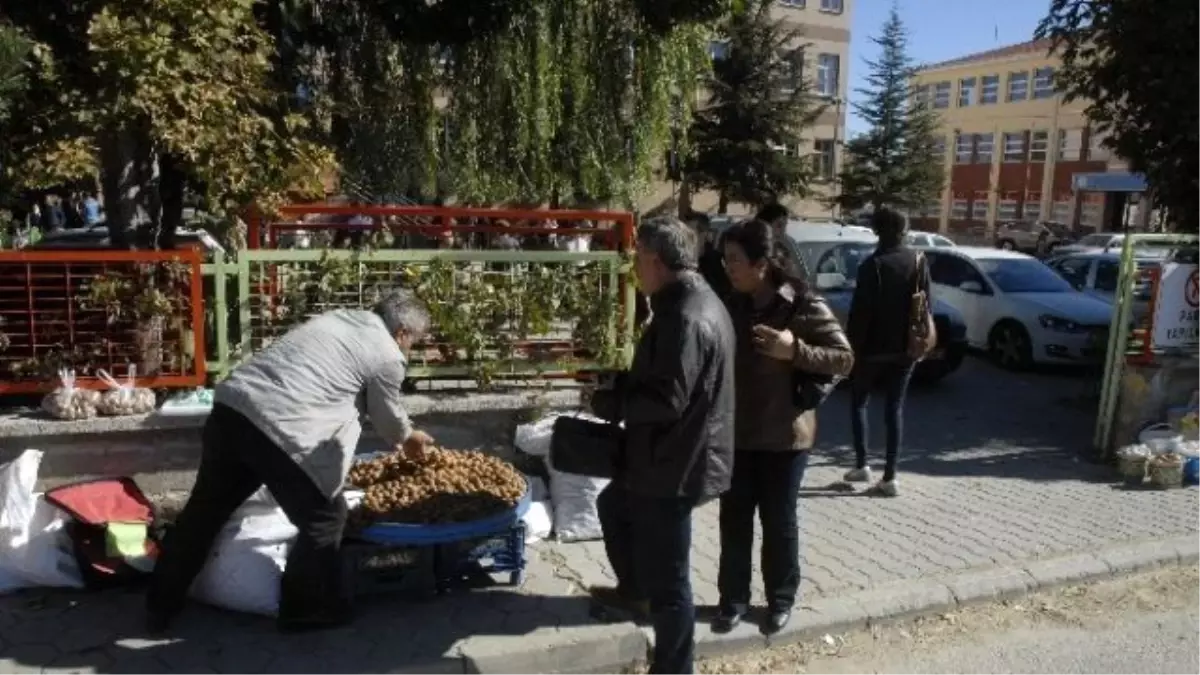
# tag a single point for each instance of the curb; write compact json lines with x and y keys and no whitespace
{"x":608,"y":648}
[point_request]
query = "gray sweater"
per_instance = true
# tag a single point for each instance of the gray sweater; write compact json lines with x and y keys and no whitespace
{"x":308,"y":390}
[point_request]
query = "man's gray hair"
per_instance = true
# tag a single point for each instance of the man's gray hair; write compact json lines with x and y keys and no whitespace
{"x":402,"y":310}
{"x":673,"y":242}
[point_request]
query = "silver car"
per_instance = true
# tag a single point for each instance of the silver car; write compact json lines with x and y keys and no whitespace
{"x":1098,"y":273}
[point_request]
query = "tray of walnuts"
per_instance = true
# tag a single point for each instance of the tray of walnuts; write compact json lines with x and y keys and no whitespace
{"x":447,"y":496}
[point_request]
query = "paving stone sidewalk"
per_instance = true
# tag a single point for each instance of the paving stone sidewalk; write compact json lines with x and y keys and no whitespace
{"x":991,"y":480}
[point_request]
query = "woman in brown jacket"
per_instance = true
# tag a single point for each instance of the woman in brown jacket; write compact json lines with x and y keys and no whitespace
{"x":784,"y":334}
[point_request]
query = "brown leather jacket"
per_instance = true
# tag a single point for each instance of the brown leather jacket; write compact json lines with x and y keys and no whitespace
{"x":765,"y":416}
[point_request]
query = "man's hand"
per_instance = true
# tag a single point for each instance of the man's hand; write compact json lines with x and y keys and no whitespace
{"x":414,"y":447}
{"x":777,"y":344}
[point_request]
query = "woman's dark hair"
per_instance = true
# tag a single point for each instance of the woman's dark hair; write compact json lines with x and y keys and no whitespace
{"x":772,"y":212}
{"x":757,"y":240}
{"x":889,"y":225}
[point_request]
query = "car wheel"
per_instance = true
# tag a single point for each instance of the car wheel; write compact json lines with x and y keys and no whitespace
{"x":1008,"y":244}
{"x":1010,"y":346}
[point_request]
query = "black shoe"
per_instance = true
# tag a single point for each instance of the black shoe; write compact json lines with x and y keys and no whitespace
{"x":776,"y":621}
{"x":729,"y":618}
{"x":157,"y":622}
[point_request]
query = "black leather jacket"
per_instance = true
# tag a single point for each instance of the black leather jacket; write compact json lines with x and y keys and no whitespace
{"x":677,"y":399}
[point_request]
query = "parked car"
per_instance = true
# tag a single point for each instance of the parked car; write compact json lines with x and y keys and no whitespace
{"x":1099,"y":241}
{"x":918,"y":239}
{"x":1018,"y":309}
{"x":1023,"y":236}
{"x":1098,"y":275}
{"x":832,"y":255}
{"x":96,"y":238}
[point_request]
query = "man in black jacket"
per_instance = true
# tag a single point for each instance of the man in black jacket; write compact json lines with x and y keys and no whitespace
{"x":677,"y":405}
{"x":712,"y":258}
{"x":878,"y":328}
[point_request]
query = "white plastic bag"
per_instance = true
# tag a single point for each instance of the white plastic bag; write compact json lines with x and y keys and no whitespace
{"x":573,"y":498}
{"x":124,"y":399}
{"x":539,"y":519}
{"x":247,"y":561}
{"x":34,"y":547}
{"x":69,"y":403}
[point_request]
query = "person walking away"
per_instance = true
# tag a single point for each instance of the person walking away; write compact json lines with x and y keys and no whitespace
{"x":288,"y":418}
{"x":712,"y":264}
{"x":879,"y":326}
{"x":784,"y":333}
{"x":677,"y":404}
{"x":776,"y":215}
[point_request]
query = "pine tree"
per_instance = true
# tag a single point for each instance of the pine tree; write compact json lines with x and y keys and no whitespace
{"x":895,"y":163}
{"x":758,"y":101}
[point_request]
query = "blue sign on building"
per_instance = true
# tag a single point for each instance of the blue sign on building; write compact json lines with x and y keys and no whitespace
{"x":1109,"y":182}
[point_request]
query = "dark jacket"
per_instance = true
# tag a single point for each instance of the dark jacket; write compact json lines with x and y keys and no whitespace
{"x":879,"y":320}
{"x":677,"y":398}
{"x":712,"y":266}
{"x":767,"y":417}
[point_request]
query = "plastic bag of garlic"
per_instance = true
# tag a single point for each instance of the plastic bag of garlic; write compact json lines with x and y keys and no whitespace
{"x":124,"y":399}
{"x":68,"y":402}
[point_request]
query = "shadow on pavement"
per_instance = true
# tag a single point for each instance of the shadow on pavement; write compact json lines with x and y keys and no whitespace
{"x":980,"y":421}
{"x":102,"y":632}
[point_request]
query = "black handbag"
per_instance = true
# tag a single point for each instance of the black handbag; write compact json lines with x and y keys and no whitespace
{"x":586,"y":447}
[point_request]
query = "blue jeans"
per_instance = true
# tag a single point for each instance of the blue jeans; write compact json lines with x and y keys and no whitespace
{"x":768,"y":481}
{"x":649,"y":542}
{"x":893,"y":378}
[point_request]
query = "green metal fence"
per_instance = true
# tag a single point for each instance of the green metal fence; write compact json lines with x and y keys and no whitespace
{"x":496,"y":314}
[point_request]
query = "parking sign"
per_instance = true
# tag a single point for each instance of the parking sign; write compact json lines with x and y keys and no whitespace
{"x":1177,"y":306}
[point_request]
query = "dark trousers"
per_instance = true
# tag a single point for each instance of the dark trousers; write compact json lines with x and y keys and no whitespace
{"x":893,"y":378}
{"x":237,"y":460}
{"x":769,"y":482}
{"x":649,"y":543}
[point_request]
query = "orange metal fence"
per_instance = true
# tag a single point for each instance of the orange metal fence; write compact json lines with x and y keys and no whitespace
{"x":92,"y":310}
{"x":434,"y":227}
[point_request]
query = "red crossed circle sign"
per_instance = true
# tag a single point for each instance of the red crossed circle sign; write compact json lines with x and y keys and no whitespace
{"x":1191,"y":290}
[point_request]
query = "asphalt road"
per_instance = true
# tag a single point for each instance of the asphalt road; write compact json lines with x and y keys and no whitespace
{"x":1142,"y":624}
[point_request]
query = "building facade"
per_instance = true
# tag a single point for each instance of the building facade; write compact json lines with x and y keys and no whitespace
{"x":1011,"y":145}
{"x":824,"y":27}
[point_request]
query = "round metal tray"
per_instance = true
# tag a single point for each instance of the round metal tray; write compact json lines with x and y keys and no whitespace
{"x":445,"y":533}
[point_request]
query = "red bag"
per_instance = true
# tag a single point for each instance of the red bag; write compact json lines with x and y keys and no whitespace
{"x":93,"y":506}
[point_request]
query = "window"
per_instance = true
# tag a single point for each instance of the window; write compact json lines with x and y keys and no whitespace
{"x":1039,"y":146}
{"x":1018,"y":86}
{"x":921,"y":95}
{"x":979,"y":207}
{"x":939,"y":148}
{"x":1070,"y":144}
{"x":1032,"y":207}
{"x":1023,"y":275}
{"x":958,"y":209}
{"x":799,"y":4}
{"x":989,"y":90}
{"x":1060,"y":212}
{"x":941,"y":95}
{"x":827,"y":74}
{"x":951,"y":270}
{"x":1073,"y":270}
{"x":831,"y":6}
{"x":1107,"y":273}
{"x":1091,"y":213}
{"x":932,"y":210}
{"x":1096,"y":150}
{"x":1043,"y":83}
{"x":941,"y":242}
{"x":1014,"y":146}
{"x":1007,"y":209}
{"x":824,"y":158}
{"x":966,"y":92}
{"x":963,"y":148}
{"x":718,"y":50}
{"x":793,"y":60}
{"x":984,"y":144}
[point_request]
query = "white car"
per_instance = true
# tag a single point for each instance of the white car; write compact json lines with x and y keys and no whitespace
{"x":1100,"y":242}
{"x":917,"y":239}
{"x":1018,"y":309}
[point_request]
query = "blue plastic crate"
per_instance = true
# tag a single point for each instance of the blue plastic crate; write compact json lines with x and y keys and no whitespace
{"x":369,"y":569}
{"x":501,"y":553}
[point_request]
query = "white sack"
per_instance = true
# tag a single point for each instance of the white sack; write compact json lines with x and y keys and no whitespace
{"x":539,"y":519}
{"x":34,"y":548}
{"x":247,"y":561}
{"x":574,"y":505}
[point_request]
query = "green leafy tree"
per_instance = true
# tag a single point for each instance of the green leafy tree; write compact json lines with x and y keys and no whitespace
{"x":152,"y":95}
{"x":1140,"y":93}
{"x":758,"y":101}
{"x":895,"y":162}
{"x":14,"y":48}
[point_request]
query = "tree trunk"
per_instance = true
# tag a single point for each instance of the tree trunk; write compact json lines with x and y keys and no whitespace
{"x":126,"y":175}
{"x":171,"y":182}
